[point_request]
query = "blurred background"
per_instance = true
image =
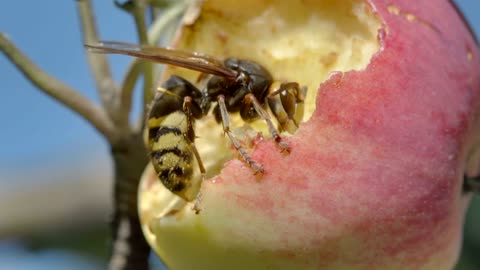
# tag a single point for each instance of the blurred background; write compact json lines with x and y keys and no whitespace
{"x":55,"y":174}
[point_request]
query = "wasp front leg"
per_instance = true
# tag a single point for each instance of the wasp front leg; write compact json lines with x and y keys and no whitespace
{"x":255,"y":166}
{"x":250,"y":99}
{"x":286,"y":100}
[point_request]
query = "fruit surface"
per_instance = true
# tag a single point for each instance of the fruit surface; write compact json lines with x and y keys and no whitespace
{"x":374,"y":178}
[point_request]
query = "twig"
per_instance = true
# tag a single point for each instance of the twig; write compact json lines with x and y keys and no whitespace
{"x":58,"y":90}
{"x":162,"y":24}
{"x":155,"y":33}
{"x":99,"y":65}
{"x":139,"y":16}
{"x":163,"y":3}
{"x":128,"y":84}
{"x":139,"y":9}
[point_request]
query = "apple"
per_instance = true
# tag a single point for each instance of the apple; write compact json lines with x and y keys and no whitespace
{"x":374,"y":177}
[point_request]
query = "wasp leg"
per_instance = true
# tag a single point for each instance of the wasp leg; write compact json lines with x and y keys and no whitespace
{"x":300,"y":109}
{"x":196,"y":205}
{"x":256,"y":167}
{"x":287,"y":104}
{"x":187,"y":104}
{"x":275,"y":104}
{"x":250,"y":99}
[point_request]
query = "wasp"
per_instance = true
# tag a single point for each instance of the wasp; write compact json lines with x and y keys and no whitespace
{"x":233,"y":86}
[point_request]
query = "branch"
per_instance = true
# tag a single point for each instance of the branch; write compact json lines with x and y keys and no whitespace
{"x":139,"y":11}
{"x":58,"y":90}
{"x":163,"y":23}
{"x":163,"y":3}
{"x":155,"y":33}
{"x":99,"y":66}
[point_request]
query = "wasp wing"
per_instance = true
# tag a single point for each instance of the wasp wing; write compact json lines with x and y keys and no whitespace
{"x":190,"y":60}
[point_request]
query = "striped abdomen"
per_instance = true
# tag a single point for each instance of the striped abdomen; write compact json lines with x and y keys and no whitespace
{"x":170,"y":151}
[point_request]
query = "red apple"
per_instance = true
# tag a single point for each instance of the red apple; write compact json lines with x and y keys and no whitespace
{"x":374,"y":177}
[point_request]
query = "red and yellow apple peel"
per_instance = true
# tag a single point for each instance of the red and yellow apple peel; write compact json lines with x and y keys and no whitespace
{"x":374,"y":177}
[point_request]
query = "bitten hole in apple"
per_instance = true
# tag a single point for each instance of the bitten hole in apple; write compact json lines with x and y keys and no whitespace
{"x":299,"y":40}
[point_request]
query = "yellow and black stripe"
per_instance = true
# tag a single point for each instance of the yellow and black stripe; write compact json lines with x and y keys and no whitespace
{"x":170,"y":151}
{"x":170,"y":134}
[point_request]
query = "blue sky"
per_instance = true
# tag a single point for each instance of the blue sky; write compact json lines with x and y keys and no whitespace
{"x":35,"y":127}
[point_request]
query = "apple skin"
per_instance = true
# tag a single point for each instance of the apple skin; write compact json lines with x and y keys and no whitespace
{"x":374,"y":178}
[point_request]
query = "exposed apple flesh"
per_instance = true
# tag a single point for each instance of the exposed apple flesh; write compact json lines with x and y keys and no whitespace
{"x":374,"y":177}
